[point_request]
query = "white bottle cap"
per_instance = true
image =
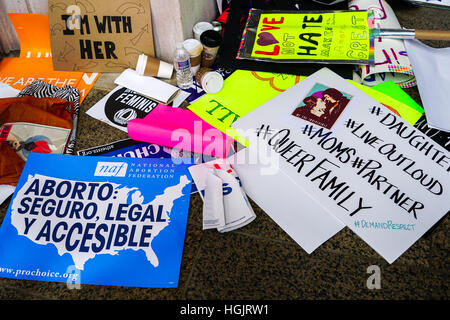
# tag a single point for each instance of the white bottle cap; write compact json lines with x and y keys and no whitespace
{"x":212,"y":82}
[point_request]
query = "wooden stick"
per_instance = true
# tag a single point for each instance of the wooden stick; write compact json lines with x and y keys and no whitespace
{"x":414,"y":34}
{"x":432,"y":35}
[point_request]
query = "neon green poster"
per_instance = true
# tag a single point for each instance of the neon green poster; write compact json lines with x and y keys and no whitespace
{"x":242,"y":92}
{"x":340,"y":36}
{"x":392,"y":102}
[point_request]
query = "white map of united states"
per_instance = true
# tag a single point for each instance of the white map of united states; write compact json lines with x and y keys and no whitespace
{"x":121,"y":194}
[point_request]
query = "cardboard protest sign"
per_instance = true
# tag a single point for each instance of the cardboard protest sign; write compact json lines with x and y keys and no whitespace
{"x":100,"y":35}
{"x":97,"y":220}
{"x":383,"y":178}
{"x":291,"y":36}
{"x":35,"y":60}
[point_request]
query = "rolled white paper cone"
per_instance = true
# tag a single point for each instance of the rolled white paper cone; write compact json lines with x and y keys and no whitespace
{"x":213,"y":210}
{"x":238,"y":211}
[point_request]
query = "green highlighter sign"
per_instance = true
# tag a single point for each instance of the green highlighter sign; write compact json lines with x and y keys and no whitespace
{"x":287,"y":36}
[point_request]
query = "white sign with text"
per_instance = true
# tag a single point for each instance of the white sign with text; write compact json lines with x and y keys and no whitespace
{"x":380,"y":176}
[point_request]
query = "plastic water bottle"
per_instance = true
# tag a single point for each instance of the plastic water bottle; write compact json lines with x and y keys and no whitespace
{"x":182,"y":63}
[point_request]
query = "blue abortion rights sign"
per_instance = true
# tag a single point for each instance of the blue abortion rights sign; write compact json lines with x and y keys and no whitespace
{"x":138,"y":149}
{"x":97,"y":220}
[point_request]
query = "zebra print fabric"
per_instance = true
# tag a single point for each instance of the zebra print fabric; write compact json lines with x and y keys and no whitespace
{"x":41,"y":89}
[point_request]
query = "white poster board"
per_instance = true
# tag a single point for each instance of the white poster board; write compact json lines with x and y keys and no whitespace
{"x":377,"y":174}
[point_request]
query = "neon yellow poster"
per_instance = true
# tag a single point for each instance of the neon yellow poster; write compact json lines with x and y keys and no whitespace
{"x":340,"y":36}
{"x":242,"y":92}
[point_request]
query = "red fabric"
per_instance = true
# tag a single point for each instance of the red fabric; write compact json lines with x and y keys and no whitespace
{"x":223,"y":19}
{"x":45,"y":111}
{"x":224,"y":16}
{"x":41,"y":147}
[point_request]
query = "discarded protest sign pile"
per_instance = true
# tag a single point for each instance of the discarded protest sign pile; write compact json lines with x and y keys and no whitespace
{"x":310,"y":122}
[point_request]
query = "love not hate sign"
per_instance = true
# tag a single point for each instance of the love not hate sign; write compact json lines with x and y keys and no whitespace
{"x":99,"y":36}
{"x":277,"y":36}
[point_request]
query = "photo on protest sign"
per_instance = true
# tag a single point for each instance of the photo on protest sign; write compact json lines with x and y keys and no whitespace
{"x":25,"y":138}
{"x":322,"y":106}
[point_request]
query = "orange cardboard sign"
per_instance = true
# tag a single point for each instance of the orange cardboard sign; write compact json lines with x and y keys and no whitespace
{"x":100,"y":35}
{"x":35,"y":60}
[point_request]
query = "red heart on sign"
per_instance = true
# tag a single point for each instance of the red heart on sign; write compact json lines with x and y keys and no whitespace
{"x":266,"y":39}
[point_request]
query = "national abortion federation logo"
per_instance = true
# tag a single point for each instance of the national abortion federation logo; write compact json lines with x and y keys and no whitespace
{"x":125,"y":105}
{"x":111,"y":169}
